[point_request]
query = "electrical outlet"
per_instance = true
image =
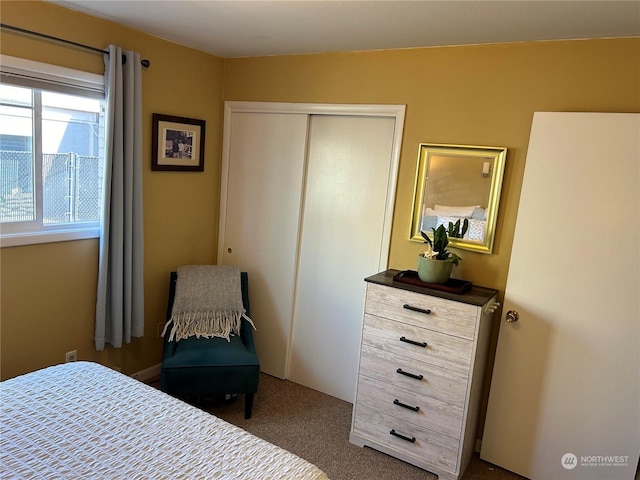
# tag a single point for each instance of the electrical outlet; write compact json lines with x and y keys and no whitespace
{"x":71,"y":356}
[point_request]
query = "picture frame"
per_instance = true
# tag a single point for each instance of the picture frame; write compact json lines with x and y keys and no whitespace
{"x":458,"y":182}
{"x":177,"y":143}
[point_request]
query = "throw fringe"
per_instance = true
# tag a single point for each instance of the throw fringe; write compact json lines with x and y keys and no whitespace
{"x":205,"y":324}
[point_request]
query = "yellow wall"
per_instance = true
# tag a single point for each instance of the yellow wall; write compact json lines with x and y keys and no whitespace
{"x":477,"y":95}
{"x":472,"y":95}
{"x":48,"y":291}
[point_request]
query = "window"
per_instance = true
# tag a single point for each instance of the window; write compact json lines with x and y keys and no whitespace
{"x":51,"y":158}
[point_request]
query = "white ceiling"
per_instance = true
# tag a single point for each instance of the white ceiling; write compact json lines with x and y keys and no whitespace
{"x":242,"y":28}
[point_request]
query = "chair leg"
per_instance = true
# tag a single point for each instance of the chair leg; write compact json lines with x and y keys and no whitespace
{"x":248,"y":404}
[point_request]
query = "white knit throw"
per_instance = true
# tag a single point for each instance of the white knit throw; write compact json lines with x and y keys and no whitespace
{"x":207,"y":302}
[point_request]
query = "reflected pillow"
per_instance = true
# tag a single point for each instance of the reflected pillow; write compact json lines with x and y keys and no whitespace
{"x":449,"y":211}
{"x":479,"y":214}
{"x":429,"y":221}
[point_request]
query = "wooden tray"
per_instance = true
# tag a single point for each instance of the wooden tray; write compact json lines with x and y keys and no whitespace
{"x":452,"y":285}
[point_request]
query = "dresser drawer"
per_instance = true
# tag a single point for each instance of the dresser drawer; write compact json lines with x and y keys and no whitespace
{"x":427,"y":447}
{"x":418,"y":343}
{"x":401,"y":372}
{"x":453,"y":318}
{"x":423,"y":411}
{"x":419,"y":357}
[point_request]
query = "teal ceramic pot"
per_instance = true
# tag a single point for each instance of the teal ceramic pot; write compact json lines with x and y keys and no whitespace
{"x":434,"y":271}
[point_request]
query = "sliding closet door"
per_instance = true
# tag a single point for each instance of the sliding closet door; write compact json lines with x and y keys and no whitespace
{"x":307,"y":193}
{"x":349,"y":166}
{"x":262,"y":181}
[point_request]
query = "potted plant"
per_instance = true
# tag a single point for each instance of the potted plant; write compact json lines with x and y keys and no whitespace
{"x":436,"y":263}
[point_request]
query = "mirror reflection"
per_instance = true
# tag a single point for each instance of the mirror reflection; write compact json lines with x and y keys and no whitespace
{"x":456,"y":182}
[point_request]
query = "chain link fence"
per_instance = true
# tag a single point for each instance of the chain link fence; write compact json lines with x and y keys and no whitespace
{"x":71,"y":187}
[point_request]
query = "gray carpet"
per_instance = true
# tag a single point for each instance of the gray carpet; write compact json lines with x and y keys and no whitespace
{"x":315,"y":426}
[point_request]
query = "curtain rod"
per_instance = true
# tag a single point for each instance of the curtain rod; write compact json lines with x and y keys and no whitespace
{"x":145,"y":63}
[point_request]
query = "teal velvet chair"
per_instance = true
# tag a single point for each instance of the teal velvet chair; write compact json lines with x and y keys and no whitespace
{"x":200,"y":367}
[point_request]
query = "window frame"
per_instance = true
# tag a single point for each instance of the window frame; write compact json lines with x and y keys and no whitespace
{"x":37,"y":75}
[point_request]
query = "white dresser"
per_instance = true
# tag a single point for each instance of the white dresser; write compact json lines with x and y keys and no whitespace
{"x":422,"y":361}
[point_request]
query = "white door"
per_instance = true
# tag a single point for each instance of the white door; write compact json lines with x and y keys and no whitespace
{"x":348,"y":172}
{"x":260,"y":205}
{"x":264,"y":193}
{"x":565,"y":394}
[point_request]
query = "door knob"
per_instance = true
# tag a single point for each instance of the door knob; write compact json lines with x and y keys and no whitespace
{"x":512,"y":316}
{"x":229,"y":250}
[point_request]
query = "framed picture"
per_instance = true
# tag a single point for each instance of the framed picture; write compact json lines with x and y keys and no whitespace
{"x":178,"y":144}
{"x":458,"y":183}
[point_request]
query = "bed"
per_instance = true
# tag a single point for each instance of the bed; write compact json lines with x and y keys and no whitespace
{"x":81,"y":420}
{"x":442,"y":215}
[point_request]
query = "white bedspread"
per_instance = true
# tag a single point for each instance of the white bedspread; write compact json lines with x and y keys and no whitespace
{"x":84,"y":421}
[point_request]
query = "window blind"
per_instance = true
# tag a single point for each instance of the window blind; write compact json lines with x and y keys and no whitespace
{"x":31,"y":74}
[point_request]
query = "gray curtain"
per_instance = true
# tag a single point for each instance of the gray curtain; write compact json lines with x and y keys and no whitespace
{"x":120,"y":295}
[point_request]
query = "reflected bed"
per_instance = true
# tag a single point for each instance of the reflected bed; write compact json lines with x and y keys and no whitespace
{"x":477,"y":221}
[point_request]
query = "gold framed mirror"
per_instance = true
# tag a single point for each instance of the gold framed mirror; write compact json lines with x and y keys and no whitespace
{"x":457,"y":182}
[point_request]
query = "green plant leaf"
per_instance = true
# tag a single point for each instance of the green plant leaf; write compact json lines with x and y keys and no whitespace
{"x":440,"y":240}
{"x":426,"y":238}
{"x":455,"y":259}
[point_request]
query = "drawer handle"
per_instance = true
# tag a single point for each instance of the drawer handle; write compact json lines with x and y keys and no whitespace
{"x":404,"y":405}
{"x":412,"y":375}
{"x":399,"y":435}
{"x":416,"y":309}
{"x":413,"y":342}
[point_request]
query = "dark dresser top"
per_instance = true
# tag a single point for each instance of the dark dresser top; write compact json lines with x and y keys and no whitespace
{"x":476,"y":296}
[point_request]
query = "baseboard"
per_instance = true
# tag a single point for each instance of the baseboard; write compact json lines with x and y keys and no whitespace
{"x":147,"y":373}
